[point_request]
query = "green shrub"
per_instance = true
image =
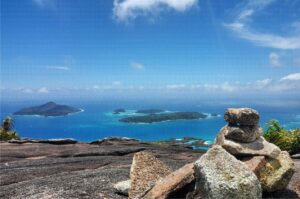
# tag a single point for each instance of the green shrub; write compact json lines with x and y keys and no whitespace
{"x":286,"y":140}
{"x":6,"y":131}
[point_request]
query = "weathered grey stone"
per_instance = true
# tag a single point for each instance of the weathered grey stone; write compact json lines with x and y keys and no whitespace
{"x":277,"y":173}
{"x":221,"y":175}
{"x":242,"y":133}
{"x":242,"y":116}
{"x":171,"y":183}
{"x":145,"y":171}
{"x":259,"y":147}
{"x":123,"y":187}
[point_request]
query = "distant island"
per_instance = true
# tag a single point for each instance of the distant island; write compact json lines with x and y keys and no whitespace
{"x":119,"y":110}
{"x":48,"y":109}
{"x":164,"y":117}
{"x":150,"y":111}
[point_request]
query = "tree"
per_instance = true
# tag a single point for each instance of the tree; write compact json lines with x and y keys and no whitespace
{"x":6,"y":131}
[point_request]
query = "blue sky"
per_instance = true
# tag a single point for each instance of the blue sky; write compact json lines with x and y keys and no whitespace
{"x":128,"y":48}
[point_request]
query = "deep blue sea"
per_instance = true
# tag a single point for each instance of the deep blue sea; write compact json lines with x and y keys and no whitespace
{"x":97,"y":121}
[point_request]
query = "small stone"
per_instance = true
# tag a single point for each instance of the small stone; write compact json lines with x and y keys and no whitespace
{"x":221,"y":175}
{"x":145,"y":171}
{"x":255,"y":163}
{"x":241,"y":116}
{"x":256,"y":148}
{"x":242,"y":133}
{"x":277,"y":173}
{"x":171,"y":183}
{"x":123,"y":187}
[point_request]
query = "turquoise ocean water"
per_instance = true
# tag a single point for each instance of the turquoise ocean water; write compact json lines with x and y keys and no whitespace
{"x":97,"y":121}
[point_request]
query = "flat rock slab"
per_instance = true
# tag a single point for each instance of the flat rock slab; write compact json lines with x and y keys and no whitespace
{"x":220,"y":175}
{"x":64,"y":176}
{"x":145,"y":171}
{"x":172,"y":183}
{"x":242,"y":116}
{"x":256,"y":148}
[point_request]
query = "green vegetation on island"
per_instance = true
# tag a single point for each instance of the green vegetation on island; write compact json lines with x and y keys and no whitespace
{"x":150,"y":111}
{"x":6,"y":130}
{"x":164,"y":117}
{"x":48,"y":109}
{"x":286,"y":140}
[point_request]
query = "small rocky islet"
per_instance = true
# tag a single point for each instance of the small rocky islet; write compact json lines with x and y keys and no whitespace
{"x":148,"y":116}
{"x":240,"y":164}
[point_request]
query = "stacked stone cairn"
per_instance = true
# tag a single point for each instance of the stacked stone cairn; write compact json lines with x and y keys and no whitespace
{"x":240,"y":165}
{"x":242,"y":137}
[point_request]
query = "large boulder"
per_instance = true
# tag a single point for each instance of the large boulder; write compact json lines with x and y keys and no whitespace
{"x":277,"y":173}
{"x":241,"y":116}
{"x":145,"y":171}
{"x":172,"y":183}
{"x":259,"y":147}
{"x":221,"y":175}
{"x":242,"y":133}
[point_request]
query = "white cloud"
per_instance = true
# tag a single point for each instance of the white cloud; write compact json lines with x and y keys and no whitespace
{"x":45,"y":3}
{"x":27,"y":90}
{"x":59,"y":67}
{"x":261,"y":84}
{"x":175,"y":86}
{"x":116,"y":83}
{"x":243,"y":30}
{"x":43,"y":90}
{"x":274,"y":60}
{"x":137,"y":66}
{"x":291,"y":77}
{"x":125,"y":10}
{"x":226,"y":86}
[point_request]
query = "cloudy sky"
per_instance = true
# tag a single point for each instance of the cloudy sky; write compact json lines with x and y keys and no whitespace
{"x":163,"y":48}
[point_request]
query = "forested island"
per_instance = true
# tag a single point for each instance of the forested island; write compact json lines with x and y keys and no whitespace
{"x":164,"y":117}
{"x":48,"y":109}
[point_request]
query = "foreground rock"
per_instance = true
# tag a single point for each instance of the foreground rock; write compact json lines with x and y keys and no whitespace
{"x":145,"y":171}
{"x":173,"y":183}
{"x":39,"y":170}
{"x":221,"y":175}
{"x":277,"y":173}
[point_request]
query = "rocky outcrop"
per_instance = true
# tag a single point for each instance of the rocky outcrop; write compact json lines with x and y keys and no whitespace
{"x":45,"y":141}
{"x":221,"y":175}
{"x":39,"y":170}
{"x":243,"y":137}
{"x":172,"y":183}
{"x":145,"y":171}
